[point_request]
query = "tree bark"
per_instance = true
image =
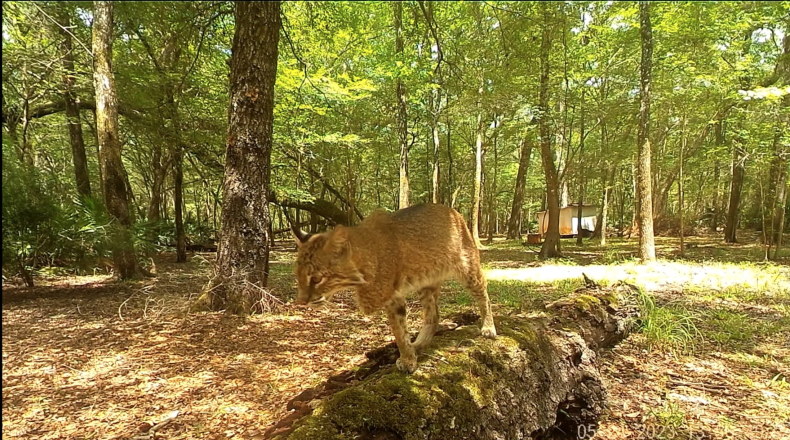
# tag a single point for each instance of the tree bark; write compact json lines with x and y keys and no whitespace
{"x":178,"y":195}
{"x":403,"y":186}
{"x":492,"y":211}
{"x":719,"y":136}
{"x":78,"y":155}
{"x":607,"y":195}
{"x":514,"y":223}
{"x":647,"y":248}
{"x":538,"y":380}
{"x":243,"y":260}
{"x":551,"y":243}
{"x":580,"y":209}
{"x":475,"y":226}
{"x":736,"y":186}
{"x":116,"y":197}
{"x":680,"y":189}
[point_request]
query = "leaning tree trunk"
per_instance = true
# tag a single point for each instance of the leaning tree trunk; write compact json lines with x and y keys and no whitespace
{"x":78,"y":155}
{"x":243,"y":260}
{"x":551,"y":244}
{"x":647,"y":247}
{"x":537,"y":380}
{"x":116,"y":197}
{"x":514,"y":223}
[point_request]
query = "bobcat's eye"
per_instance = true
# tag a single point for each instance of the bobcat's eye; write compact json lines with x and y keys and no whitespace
{"x":315,"y":279}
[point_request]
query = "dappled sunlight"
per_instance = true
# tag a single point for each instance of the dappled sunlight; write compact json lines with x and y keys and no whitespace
{"x":659,"y":275}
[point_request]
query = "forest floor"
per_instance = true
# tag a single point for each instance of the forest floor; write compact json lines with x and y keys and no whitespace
{"x":88,"y":358}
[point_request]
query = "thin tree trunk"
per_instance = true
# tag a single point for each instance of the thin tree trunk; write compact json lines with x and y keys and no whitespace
{"x":178,"y":195}
{"x":780,"y":231}
{"x":680,"y":189}
{"x":647,"y":249}
{"x":551,"y":244}
{"x":475,"y":226}
{"x":450,"y":181}
{"x":514,"y":223}
{"x":579,"y":234}
{"x":79,"y":157}
{"x":403,"y":187}
{"x":436,"y":170}
{"x":607,"y":193}
{"x":736,"y":186}
{"x":492,"y":211}
{"x":714,"y":221}
{"x":243,"y":257}
{"x":116,"y":198}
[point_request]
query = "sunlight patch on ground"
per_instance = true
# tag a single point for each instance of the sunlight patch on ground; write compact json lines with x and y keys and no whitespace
{"x":659,"y":275}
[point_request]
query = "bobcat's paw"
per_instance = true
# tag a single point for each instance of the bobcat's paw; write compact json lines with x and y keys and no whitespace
{"x":489,"y":332}
{"x":406,"y":365}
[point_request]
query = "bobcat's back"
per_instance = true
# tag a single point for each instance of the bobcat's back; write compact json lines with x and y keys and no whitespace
{"x":387,"y":254}
{"x":412,"y":248}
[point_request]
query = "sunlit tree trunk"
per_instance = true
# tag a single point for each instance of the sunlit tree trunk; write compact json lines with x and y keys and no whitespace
{"x":478,"y":173}
{"x":680,"y":188}
{"x":78,"y":155}
{"x":243,"y":259}
{"x":514,"y":223}
{"x":647,"y":249}
{"x":116,"y":197}
{"x":403,"y":187}
{"x":551,"y":243}
{"x":492,"y":211}
{"x":719,"y":139}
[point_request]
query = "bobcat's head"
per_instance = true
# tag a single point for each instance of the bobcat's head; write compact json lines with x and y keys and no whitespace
{"x":324,"y":266}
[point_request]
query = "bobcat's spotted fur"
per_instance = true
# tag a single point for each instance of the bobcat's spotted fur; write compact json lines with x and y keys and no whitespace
{"x":388,"y":256}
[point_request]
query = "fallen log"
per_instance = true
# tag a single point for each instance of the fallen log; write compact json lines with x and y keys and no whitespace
{"x":537,"y":380}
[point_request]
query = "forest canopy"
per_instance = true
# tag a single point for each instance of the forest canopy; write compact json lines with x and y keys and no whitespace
{"x":382,"y":105}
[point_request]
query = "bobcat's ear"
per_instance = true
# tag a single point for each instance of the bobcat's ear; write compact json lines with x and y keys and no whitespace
{"x":340,"y":238}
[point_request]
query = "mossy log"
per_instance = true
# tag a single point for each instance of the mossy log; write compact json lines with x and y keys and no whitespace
{"x":537,"y":380}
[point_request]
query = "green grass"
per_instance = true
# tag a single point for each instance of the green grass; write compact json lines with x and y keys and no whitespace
{"x":667,"y":327}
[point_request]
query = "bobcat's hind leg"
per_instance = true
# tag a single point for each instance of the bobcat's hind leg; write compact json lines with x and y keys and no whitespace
{"x":429,"y":299}
{"x":396,"y":315}
{"x":476,"y":283}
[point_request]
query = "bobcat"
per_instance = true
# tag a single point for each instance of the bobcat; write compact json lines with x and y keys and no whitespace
{"x":389,"y":255}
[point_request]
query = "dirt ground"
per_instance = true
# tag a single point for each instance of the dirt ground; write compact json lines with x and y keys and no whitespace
{"x":85,"y":357}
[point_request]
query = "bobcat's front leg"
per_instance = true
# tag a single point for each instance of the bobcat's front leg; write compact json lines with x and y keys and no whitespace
{"x":396,"y":315}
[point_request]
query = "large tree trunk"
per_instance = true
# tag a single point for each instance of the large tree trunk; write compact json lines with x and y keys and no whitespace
{"x":403,"y":186}
{"x":647,"y":248}
{"x":78,"y":155}
{"x":243,"y":260}
{"x":537,"y":380}
{"x":116,"y":197}
{"x":514,"y":223}
{"x":551,"y":243}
